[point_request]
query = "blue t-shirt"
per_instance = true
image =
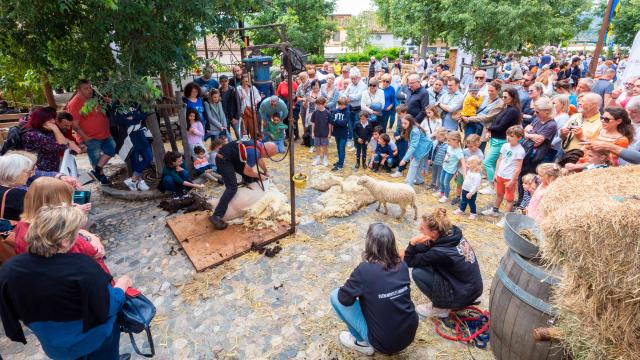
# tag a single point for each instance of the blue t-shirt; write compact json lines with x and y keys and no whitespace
{"x":452,"y":159}
{"x":207,"y":85}
{"x":198,"y":105}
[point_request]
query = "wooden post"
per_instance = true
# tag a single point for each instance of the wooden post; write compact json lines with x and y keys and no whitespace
{"x":182,"y":122}
{"x":157,"y":146}
{"x":603,"y":30}
{"x":48,"y":92}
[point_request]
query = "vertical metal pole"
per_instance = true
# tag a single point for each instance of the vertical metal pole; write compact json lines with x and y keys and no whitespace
{"x":292,"y":187}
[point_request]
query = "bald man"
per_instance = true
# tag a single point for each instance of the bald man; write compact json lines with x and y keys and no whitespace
{"x":239,"y":157}
{"x":581,"y":127}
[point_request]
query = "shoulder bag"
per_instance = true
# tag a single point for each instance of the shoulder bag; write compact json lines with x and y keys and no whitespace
{"x":136,"y":316}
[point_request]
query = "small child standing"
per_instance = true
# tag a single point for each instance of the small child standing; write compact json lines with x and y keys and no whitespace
{"x":384,"y":155}
{"x":529,"y":184}
{"x":363,"y":135}
{"x":436,"y":158}
{"x":453,"y":160}
{"x":195,"y":133}
{"x":401,"y":136}
{"x":507,"y":171}
{"x":432,"y":121}
{"x":470,"y":186}
{"x":548,"y":172}
{"x":202,"y":167}
{"x":321,"y":130}
{"x":340,"y":123}
{"x":472,"y":149}
{"x":174,"y":177}
{"x":275,"y":132}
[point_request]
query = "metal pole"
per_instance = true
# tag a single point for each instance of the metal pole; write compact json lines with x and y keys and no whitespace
{"x":292,"y":187}
{"x":603,"y":30}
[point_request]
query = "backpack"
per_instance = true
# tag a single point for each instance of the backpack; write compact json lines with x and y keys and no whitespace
{"x":13,"y":141}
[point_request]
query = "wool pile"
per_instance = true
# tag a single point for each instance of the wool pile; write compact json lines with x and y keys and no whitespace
{"x":323,"y":181}
{"x":591,"y":226}
{"x":343,"y":201}
{"x":272,"y":208}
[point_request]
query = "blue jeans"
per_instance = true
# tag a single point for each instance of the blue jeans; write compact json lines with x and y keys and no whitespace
{"x":375,"y":119}
{"x":388,"y":118}
{"x":445,"y":182}
{"x":423,"y":277}
{"x":140,"y":159}
{"x":280,"y":145}
{"x":471,"y":202}
{"x":341,"y":144}
{"x":388,"y":163}
{"x":473,"y":128}
{"x":415,"y":171}
{"x":95,"y":149}
{"x":436,"y":170}
{"x":352,"y":316}
{"x":170,"y":185}
{"x":354,"y":117}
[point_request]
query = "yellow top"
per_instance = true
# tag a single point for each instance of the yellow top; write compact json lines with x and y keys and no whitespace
{"x":470,"y":105}
{"x":590,"y":129}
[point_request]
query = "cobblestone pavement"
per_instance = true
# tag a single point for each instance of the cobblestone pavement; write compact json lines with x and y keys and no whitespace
{"x":256,"y":307}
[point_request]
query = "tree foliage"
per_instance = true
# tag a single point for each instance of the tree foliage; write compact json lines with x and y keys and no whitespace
{"x":357,"y":32}
{"x":626,"y":23}
{"x":308,"y":24}
{"x":480,"y":24}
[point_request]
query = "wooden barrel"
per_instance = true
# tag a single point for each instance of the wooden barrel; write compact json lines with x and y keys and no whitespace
{"x":520,"y":303}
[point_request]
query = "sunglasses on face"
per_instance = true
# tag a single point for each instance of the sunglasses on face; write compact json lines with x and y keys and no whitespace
{"x":605,"y":119}
{"x":385,"y":81}
{"x":372,"y":85}
{"x":505,"y":97}
{"x":479,"y":78}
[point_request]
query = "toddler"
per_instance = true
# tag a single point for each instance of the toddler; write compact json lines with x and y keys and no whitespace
{"x":432,"y":121}
{"x":529,"y":184}
{"x":470,"y":186}
{"x":547,"y":172}
{"x":340,"y":123}
{"x":595,"y":160}
{"x":507,"y":171}
{"x":275,"y":132}
{"x":471,"y":102}
{"x":472,"y":149}
{"x":453,"y":160}
{"x":436,"y":158}
{"x":174,"y":177}
{"x":363,"y":133}
{"x":384,"y":154}
{"x":321,"y":130}
{"x":195,"y":132}
{"x":201,"y":166}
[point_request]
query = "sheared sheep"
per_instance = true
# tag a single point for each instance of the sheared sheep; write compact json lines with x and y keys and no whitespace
{"x":387,"y":192}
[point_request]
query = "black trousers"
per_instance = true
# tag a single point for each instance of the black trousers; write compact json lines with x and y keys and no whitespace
{"x":228,"y":172}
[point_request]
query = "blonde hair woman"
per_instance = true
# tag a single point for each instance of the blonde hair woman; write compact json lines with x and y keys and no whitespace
{"x":52,"y":192}
{"x":65,"y":299}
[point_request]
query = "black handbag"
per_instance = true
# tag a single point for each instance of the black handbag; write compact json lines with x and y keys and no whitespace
{"x":136,"y":316}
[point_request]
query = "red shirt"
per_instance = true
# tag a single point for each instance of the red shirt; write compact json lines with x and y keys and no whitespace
{"x":81,"y":246}
{"x":283,"y":89}
{"x":95,"y":124}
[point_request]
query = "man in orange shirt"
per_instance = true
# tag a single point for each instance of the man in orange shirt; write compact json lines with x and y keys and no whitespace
{"x":93,"y":129}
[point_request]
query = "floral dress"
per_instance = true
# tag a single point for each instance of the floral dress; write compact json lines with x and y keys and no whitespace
{"x":44,"y":144}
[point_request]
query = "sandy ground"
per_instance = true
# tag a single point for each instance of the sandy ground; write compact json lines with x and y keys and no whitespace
{"x":256,"y":307}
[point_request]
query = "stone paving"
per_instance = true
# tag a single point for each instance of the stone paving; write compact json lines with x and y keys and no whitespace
{"x":256,"y":307}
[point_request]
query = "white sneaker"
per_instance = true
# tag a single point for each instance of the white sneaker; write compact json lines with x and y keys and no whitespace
{"x":458,"y":212}
{"x":490,"y":212}
{"x":132,"y":185}
{"x":312,"y":149}
{"x":350,"y":143}
{"x":142,"y":185}
{"x":325,"y":161}
{"x":316,"y":161}
{"x":396,"y":174}
{"x":348,"y":341}
{"x":427,"y":310}
{"x":473,"y":216}
{"x":443,"y":199}
{"x":500,"y":223}
{"x":487,"y":191}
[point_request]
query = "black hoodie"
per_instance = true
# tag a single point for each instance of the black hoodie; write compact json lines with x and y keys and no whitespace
{"x":457,"y":281}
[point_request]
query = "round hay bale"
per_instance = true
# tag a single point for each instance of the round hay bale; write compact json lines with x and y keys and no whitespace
{"x":591,"y":225}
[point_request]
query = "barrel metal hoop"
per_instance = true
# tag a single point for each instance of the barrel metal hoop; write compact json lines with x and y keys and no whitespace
{"x":523,"y":295}
{"x":534,"y":271}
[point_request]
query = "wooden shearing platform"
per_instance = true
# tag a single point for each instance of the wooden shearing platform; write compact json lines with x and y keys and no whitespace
{"x":207,"y":247}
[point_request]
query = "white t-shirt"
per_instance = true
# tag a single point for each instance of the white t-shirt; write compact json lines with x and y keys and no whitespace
{"x":430,"y":125}
{"x":471,"y":182}
{"x":478,"y":153}
{"x":509,"y":156}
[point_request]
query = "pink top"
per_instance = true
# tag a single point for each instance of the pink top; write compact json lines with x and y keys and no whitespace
{"x":196,"y":133}
{"x":533,"y":209}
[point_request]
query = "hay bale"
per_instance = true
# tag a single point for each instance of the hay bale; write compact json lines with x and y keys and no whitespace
{"x":591,"y":226}
{"x":337,"y":202}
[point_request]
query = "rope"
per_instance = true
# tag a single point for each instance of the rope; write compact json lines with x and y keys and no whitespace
{"x":470,"y":328}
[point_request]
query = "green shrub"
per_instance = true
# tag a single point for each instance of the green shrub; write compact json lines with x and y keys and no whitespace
{"x":369,"y":51}
{"x":315,"y":59}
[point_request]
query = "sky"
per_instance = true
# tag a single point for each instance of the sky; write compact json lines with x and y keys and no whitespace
{"x":353,"y":7}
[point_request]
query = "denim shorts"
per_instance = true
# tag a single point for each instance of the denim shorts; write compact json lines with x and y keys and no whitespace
{"x":320,"y":141}
{"x":97,"y":147}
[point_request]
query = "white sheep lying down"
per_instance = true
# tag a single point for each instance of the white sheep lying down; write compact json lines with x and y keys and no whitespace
{"x":387,"y":192}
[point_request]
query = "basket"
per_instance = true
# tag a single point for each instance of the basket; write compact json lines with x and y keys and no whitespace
{"x":513,"y":224}
{"x":300,"y":181}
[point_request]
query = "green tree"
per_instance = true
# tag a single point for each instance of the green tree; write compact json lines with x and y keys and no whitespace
{"x":626,"y":23}
{"x":308,"y":24}
{"x":358,"y":32}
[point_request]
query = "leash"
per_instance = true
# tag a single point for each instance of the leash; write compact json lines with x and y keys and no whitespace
{"x":471,"y":328}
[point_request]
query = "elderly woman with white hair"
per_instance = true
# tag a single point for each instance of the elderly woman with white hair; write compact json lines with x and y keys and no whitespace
{"x":15,"y":171}
{"x":354,"y":92}
{"x":329,"y":91}
{"x":64,"y":298}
